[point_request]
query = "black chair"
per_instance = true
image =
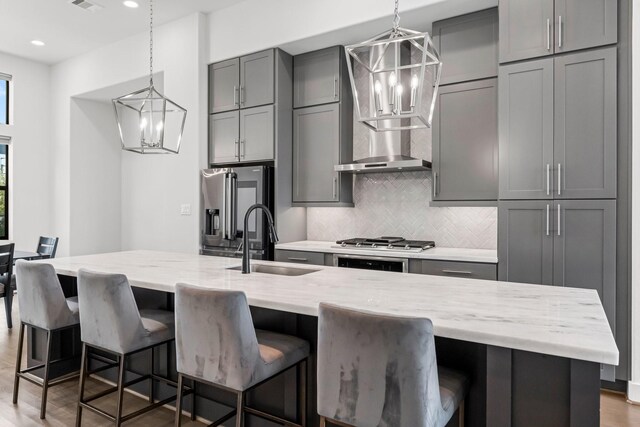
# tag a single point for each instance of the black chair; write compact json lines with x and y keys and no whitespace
{"x":47,"y":246}
{"x":6,"y":275}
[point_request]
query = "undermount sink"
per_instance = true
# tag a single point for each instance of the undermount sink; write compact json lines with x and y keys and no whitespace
{"x":274,"y":269}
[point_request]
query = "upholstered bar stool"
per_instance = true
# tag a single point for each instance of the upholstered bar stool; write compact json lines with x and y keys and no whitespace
{"x":43,"y":306}
{"x":111,"y":322}
{"x":217,"y":344}
{"x":378,"y":370}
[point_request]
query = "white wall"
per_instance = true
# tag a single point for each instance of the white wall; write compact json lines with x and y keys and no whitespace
{"x":95,"y":178}
{"x":30,"y":164}
{"x":634,"y":384}
{"x":153,"y":187}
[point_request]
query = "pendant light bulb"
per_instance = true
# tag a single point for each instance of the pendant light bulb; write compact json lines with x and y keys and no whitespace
{"x":392,"y":79}
{"x":143,"y":123}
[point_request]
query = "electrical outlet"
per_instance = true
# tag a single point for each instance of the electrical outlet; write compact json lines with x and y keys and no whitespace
{"x":185,"y":209}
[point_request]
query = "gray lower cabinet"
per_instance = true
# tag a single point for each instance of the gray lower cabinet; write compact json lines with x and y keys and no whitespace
{"x":316,"y":77}
{"x":223,"y":137}
{"x":585,"y":140}
{"x":585,"y":248}
{"x":533,"y":28}
{"x":224,"y":86}
{"x":257,"y":82}
{"x":525,"y":242}
{"x":468,"y":45}
{"x":256,"y":134}
{"x":526,"y":130}
{"x":317,"y":148}
{"x":526,"y":29}
{"x":465,"y":270}
{"x":465,"y":142}
{"x":303,"y":257}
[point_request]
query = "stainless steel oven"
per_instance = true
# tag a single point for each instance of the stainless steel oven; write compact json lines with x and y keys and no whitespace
{"x":368,"y":262}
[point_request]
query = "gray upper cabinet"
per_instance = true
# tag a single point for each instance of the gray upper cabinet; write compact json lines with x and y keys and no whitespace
{"x":468,"y":46}
{"x":525,"y":242}
{"x":585,"y":248}
{"x":533,"y":28}
{"x":257,"y":83}
{"x":585,"y":23}
{"x":224,"y":86}
{"x":316,"y":77}
{"x":465,"y":142}
{"x":223,"y":129}
{"x":526,"y":130}
{"x":316,"y":149}
{"x":256,"y":134}
{"x":585,"y":138}
{"x":526,"y":29}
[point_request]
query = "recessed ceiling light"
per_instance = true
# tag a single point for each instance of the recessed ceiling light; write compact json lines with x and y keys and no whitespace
{"x":37,"y":42}
{"x":131,"y":4}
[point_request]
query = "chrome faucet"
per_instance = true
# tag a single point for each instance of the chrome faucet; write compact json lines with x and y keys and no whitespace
{"x":246,"y":267}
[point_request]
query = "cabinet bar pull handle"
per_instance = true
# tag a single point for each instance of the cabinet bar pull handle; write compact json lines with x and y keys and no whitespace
{"x":335,"y":187}
{"x":435,"y":184}
{"x":241,"y":91}
{"x":559,"y":219}
{"x":243,"y":148}
{"x":457,"y":272}
{"x":235,"y":97}
{"x":548,"y":34}
{"x":237,"y":142}
{"x":559,"y":178}
{"x":293,"y":258}
{"x":548,"y":179}
{"x":547,"y":219}
{"x":560,"y":31}
{"x":335,"y":86}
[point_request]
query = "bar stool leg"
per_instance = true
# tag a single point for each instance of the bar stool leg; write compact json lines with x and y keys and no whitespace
{"x":461,"y":414}
{"x":240,"y":410}
{"x":121,"y":370}
{"x":193,"y":401}
{"x":151,"y":365}
{"x":83,"y":368}
{"x":16,"y":381}
{"x":179,"y":402}
{"x":45,"y":380}
{"x":8,"y":302}
{"x":323,"y":422}
{"x":303,"y":368}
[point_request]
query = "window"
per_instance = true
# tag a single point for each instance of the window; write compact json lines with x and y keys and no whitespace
{"x":4,"y":191}
{"x":4,"y":101}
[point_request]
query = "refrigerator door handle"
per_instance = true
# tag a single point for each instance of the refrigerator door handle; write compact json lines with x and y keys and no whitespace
{"x":233,"y":223}
{"x":226,"y":206}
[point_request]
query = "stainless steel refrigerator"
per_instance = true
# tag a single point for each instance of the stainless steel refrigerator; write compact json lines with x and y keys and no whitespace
{"x":227,"y":194}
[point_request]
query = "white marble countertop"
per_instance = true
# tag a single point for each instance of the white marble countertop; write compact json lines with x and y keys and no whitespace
{"x":566,"y":322}
{"x":489,"y":256}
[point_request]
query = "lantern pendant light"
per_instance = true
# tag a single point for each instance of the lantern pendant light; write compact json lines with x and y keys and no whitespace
{"x":149,"y":122}
{"x":401,"y":69}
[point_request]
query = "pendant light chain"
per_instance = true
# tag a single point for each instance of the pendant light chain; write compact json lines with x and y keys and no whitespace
{"x":396,"y":18}
{"x":150,"y":42}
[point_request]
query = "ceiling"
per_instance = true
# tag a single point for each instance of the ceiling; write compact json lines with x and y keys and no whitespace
{"x":69,"y":30}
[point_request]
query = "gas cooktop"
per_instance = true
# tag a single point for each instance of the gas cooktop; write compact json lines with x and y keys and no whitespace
{"x":386,"y":243}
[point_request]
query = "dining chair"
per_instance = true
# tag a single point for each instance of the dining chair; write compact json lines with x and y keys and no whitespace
{"x":6,"y":279}
{"x":47,"y":246}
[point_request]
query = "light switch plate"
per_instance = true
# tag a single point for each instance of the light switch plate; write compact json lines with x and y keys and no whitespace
{"x":185,"y":209}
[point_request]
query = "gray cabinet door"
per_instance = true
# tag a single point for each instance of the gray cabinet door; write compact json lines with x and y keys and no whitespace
{"x":525,"y":242}
{"x":526,"y":29}
{"x":585,"y":125}
{"x":526,"y":130}
{"x":224,"y":84}
{"x":585,"y":248}
{"x":256,"y":134}
{"x":316,"y":143}
{"x":465,"y":142}
{"x":468,"y":45}
{"x":585,"y":23}
{"x":316,"y":77}
{"x":257,"y":82}
{"x":223,"y":137}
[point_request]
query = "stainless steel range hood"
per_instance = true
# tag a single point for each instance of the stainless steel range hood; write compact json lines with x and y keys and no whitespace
{"x":389,"y":151}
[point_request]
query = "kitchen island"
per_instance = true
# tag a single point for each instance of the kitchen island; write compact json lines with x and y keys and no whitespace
{"x":533,"y":352}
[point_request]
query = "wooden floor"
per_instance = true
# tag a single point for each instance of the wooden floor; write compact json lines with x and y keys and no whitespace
{"x":61,"y":408}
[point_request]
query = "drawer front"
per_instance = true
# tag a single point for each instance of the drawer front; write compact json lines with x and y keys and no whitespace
{"x":467,"y":270}
{"x":300,"y":257}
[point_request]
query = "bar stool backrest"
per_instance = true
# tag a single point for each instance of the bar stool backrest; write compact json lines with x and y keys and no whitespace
{"x":109,"y":316}
{"x":6,"y":263}
{"x":215,"y":337}
{"x":42,"y":301}
{"x":376,"y":370}
{"x":47,"y":246}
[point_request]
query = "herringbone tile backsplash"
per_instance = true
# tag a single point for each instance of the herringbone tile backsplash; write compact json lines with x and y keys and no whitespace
{"x":397,"y":204}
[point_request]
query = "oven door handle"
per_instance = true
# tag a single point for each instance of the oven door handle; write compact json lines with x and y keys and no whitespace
{"x":403,"y":261}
